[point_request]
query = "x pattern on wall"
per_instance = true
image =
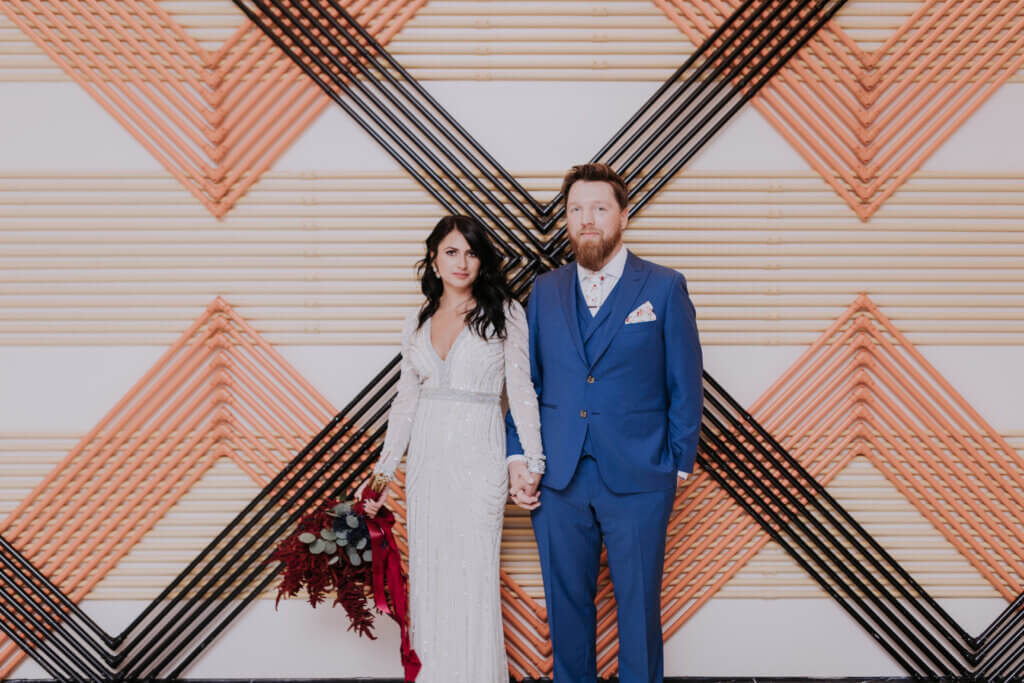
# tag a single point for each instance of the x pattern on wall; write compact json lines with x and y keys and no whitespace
{"x":866,"y":120}
{"x":763,"y":479}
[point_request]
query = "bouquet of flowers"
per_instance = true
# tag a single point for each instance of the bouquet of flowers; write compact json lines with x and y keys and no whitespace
{"x":337,"y":549}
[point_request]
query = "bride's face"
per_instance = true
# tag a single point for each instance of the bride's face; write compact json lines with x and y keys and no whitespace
{"x":455,"y":263}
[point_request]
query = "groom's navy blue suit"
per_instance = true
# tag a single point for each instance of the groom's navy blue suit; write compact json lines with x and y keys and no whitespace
{"x":620,"y":409}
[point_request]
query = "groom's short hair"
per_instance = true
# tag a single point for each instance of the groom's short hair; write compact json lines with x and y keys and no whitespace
{"x":596,"y":173}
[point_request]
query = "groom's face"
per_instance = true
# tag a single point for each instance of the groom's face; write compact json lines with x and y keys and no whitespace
{"x":595,"y":222}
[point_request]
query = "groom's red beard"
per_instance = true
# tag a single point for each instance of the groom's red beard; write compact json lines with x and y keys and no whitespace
{"x":592,"y":254}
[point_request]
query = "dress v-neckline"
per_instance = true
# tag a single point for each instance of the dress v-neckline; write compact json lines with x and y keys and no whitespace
{"x":430,"y":342}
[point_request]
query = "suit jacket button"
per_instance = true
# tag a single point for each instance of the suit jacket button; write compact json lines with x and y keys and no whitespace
{"x":583,"y":413}
{"x":590,"y":379}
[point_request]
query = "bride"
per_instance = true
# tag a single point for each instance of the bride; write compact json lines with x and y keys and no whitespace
{"x":465,"y":344}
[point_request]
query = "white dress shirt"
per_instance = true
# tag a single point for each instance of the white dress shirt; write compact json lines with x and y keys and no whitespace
{"x":596,"y":286}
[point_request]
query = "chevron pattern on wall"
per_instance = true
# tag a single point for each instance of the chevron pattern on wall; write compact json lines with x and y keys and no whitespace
{"x":863,"y":390}
{"x":220,"y":392}
{"x":764,"y":482}
{"x":216,"y":120}
{"x":867,"y":120}
{"x":329,"y":44}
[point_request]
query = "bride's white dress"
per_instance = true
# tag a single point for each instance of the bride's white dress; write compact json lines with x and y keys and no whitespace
{"x":448,"y":413}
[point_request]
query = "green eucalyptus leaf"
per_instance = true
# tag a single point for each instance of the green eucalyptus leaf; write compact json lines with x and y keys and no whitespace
{"x":327,"y":534}
{"x":330,"y":547}
{"x":307,"y":537}
{"x":317,"y":547}
{"x":361,"y":544}
{"x":367,"y":554}
{"x":352,"y":521}
{"x":334,"y":560}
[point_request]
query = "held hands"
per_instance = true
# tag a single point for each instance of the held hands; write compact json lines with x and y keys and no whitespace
{"x":523,"y":485}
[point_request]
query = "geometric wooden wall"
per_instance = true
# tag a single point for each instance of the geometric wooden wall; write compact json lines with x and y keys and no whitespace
{"x":863,"y":391}
{"x":219,"y":393}
{"x":216,"y":119}
{"x":865,"y":119}
{"x":768,"y":39}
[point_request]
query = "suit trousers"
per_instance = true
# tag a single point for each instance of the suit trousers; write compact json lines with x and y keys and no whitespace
{"x":570,"y":525}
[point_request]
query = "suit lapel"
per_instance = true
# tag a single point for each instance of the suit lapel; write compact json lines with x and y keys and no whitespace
{"x":634,"y":275}
{"x":567,"y":291}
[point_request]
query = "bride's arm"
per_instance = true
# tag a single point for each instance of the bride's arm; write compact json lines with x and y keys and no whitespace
{"x":403,"y":408}
{"x":522,"y":397}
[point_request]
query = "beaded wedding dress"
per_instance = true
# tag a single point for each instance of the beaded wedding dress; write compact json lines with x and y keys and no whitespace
{"x":448,"y":413}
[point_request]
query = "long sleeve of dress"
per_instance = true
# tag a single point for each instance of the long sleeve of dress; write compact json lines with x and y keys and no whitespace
{"x":403,"y":408}
{"x":522,"y":397}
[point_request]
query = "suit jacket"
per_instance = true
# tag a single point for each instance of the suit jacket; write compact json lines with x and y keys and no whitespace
{"x":637,"y":388}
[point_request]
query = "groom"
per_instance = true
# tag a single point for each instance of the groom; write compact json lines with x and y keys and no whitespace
{"x":616,"y":363}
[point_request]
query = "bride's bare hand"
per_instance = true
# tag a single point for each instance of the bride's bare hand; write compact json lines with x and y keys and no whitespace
{"x":372,"y":507}
{"x":526,"y":500}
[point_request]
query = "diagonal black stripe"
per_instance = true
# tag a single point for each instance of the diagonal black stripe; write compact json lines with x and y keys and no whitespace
{"x":278,"y":514}
{"x":333,"y":53}
{"x":800,"y":511}
{"x":1000,"y":627}
{"x":1001,"y":654}
{"x":28,"y":640}
{"x":713,"y":457}
{"x":395,"y":135}
{"x":45,"y":594}
{"x":414,"y":129}
{"x":57,"y":654}
{"x":47,"y":617}
{"x":177,"y":633}
{"x":759,"y":45}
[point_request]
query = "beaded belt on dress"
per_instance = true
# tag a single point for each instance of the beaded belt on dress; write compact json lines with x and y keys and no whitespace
{"x":442,"y":394}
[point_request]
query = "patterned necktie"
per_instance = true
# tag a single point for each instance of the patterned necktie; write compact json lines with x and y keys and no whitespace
{"x":593,"y":290}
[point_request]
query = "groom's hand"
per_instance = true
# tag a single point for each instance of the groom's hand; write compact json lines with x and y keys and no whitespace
{"x":522,"y":485}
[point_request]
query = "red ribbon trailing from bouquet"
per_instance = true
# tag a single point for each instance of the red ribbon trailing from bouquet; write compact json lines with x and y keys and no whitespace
{"x":387,"y":575}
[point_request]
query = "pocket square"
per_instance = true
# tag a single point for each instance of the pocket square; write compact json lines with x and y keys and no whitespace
{"x":644,"y":313}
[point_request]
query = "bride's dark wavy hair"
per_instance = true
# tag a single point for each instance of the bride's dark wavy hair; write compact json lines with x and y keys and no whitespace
{"x":490,"y":291}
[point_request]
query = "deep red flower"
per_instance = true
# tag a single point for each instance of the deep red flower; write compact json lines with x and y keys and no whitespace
{"x":302,"y":569}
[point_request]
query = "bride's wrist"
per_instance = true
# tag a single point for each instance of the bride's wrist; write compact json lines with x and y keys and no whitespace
{"x":379,"y":481}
